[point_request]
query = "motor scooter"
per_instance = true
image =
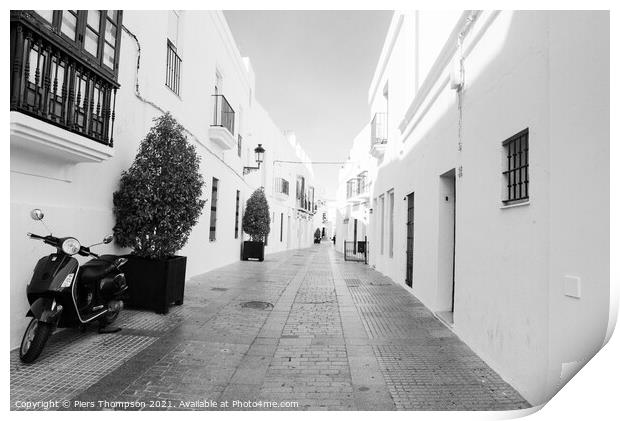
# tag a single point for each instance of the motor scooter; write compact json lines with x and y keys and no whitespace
{"x":63,"y":293}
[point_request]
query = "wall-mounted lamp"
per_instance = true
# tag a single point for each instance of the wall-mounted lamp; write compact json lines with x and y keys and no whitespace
{"x":259,"y":153}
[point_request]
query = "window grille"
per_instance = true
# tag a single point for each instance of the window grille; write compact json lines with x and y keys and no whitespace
{"x":173,"y":69}
{"x":237,"y":216}
{"x":516,"y":174}
{"x":213,"y":209}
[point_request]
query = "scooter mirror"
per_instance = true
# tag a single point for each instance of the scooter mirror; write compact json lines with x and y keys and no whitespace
{"x":36,"y":214}
{"x":107,"y":239}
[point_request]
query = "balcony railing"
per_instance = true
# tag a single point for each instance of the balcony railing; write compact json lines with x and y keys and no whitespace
{"x":378,"y":129}
{"x":305,"y":204}
{"x":223,"y":114}
{"x":49,"y":82}
{"x":357,"y":188}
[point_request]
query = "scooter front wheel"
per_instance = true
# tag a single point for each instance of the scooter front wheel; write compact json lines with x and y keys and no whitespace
{"x":34,"y":340}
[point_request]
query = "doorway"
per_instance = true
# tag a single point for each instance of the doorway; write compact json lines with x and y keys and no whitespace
{"x":446,"y":281}
{"x":410,"y":234}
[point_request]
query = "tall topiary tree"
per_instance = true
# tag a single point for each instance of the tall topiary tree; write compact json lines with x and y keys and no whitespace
{"x":159,"y":198}
{"x":256,"y":220}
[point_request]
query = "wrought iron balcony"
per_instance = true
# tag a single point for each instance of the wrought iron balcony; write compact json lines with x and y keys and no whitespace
{"x":223,"y":114}
{"x":305,"y":204}
{"x":358,"y":189}
{"x":55,"y":82}
{"x":378,"y":134}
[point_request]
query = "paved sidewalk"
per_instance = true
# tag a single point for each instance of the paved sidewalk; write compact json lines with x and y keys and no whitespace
{"x":303,"y":329}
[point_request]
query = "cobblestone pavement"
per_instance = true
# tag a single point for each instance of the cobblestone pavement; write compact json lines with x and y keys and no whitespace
{"x":303,"y":329}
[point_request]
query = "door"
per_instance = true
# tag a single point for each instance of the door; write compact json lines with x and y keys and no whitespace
{"x":410,"y":232}
{"x":446,"y":242}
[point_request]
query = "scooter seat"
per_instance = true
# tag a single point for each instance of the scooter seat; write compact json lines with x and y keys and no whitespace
{"x":97,"y":268}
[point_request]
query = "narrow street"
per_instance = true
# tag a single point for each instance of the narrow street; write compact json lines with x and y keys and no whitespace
{"x":303,"y":328}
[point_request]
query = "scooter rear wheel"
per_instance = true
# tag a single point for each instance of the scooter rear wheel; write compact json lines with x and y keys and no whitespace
{"x":34,"y":340}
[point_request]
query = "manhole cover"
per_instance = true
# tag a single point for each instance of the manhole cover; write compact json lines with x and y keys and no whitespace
{"x":257,"y":305}
{"x":219,"y":289}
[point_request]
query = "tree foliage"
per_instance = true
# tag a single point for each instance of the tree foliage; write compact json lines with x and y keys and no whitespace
{"x":256,"y":220}
{"x":159,"y":198}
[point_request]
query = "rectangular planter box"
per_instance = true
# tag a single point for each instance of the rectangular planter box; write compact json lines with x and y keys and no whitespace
{"x":253,"y":250}
{"x":155,"y":284}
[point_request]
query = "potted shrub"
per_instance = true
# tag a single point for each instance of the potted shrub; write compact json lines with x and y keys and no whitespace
{"x":256,"y":224}
{"x":317,"y":236}
{"x":157,"y":204}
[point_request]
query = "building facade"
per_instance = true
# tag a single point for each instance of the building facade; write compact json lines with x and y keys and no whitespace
{"x":85,"y":87}
{"x":490,"y":200}
{"x":353,"y":205}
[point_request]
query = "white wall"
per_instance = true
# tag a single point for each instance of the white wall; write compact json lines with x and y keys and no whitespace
{"x":546,"y":71}
{"x":579,"y":127}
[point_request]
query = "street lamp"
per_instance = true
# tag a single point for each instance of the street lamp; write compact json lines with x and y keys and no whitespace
{"x":259,"y":153}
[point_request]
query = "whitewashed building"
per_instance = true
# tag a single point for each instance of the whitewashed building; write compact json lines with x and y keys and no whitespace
{"x":491,"y":197}
{"x":85,"y":87}
{"x":353,"y":204}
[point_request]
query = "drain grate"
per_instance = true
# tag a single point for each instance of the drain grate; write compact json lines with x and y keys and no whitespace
{"x":219,"y":289}
{"x":257,"y":305}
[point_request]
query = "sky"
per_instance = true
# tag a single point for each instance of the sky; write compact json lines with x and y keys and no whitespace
{"x":313,"y":71}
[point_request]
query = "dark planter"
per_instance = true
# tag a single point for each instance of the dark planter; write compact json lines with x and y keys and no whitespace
{"x":155,"y":284}
{"x":254,"y":250}
{"x":317,"y":240}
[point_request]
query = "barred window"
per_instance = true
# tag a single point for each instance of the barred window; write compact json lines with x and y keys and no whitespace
{"x":173,"y":69}
{"x":516,"y":173}
{"x":281,"y":186}
{"x":213,"y":221}
{"x":237,"y":216}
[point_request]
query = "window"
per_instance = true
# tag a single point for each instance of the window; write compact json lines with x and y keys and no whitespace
{"x":239,"y":145}
{"x":300,"y":192}
{"x":48,"y":15}
{"x":281,"y":186}
{"x":362,"y":183}
{"x":212,"y":227}
{"x":281,"y":225}
{"x":219,"y":82}
{"x":69,"y":24}
{"x":91,"y":33}
{"x":391,"y":223}
{"x":95,"y":31}
{"x":173,"y":69}
{"x":516,"y":173}
{"x":237,"y":216}
{"x":310,"y":204}
{"x":382,"y":216}
{"x":173,"y":59}
{"x":109,"y":43}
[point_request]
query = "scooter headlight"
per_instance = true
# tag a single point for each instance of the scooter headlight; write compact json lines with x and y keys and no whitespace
{"x":71,"y":246}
